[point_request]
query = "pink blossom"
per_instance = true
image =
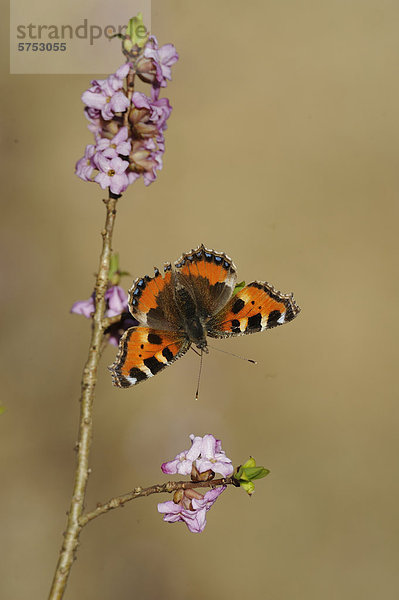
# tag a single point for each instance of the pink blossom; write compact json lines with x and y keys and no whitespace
{"x":145,"y":159}
{"x":140,"y":100}
{"x":114,"y":104}
{"x":191,"y":509}
{"x":116,"y":330}
{"x":183,"y":462}
{"x":159,"y":108}
{"x":123,"y":71}
{"x":105,"y":96}
{"x":84,"y":166}
{"x":205,"y":454}
{"x":118,"y":145}
{"x":84,"y":307}
{"x":116,"y":298}
{"x":138,"y":145}
{"x":116,"y":303}
{"x":131,"y":177}
{"x":213,"y":458}
{"x":150,"y":175}
{"x":112,"y":173}
{"x":93,"y":115}
{"x":163,"y":58}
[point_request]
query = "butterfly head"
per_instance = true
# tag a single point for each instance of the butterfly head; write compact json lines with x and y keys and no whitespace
{"x":203,"y":346}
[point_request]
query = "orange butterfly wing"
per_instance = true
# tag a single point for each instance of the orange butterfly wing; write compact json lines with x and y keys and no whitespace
{"x":144,"y":352}
{"x":258,"y":306}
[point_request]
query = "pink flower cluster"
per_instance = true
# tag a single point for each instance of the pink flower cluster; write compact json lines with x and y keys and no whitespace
{"x":189,"y":506}
{"x":116,"y":304}
{"x":191,"y":509}
{"x":205,"y":454}
{"x":116,"y":301}
{"x":128,"y":131}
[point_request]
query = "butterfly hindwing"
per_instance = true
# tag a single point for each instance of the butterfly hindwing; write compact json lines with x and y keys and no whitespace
{"x":258,"y":306}
{"x":144,"y":352}
{"x":209,"y":276}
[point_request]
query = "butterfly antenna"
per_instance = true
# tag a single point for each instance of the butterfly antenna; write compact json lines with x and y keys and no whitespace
{"x":254,"y":362}
{"x":199,"y":376}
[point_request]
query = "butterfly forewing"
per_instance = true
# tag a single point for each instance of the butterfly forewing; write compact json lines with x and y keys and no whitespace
{"x":152,"y":301}
{"x":258,"y":306}
{"x":209,"y":276}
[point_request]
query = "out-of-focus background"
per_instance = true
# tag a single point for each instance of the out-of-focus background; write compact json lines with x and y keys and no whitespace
{"x":282,"y":151}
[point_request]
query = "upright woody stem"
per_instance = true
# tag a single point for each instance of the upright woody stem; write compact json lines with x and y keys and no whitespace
{"x":89,"y":379}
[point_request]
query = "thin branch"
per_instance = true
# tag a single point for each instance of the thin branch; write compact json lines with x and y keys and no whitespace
{"x":129,"y":93}
{"x":169,"y":487}
{"x":108,"y":321}
{"x":88,"y":384}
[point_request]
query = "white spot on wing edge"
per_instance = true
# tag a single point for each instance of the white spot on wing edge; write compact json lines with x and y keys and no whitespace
{"x":146,"y":371}
{"x":161,"y":358}
{"x":243,"y":324}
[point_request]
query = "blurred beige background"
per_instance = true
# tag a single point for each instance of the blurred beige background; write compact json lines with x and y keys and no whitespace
{"x":282,"y":150}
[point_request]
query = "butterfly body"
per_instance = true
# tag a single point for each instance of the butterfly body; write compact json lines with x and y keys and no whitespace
{"x":193,"y":320}
{"x":188,"y":303}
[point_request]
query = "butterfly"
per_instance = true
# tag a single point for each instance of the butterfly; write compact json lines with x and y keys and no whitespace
{"x":189,"y":302}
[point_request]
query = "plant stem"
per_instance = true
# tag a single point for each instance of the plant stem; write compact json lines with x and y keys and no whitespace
{"x":170,"y":486}
{"x":129,"y":94}
{"x":89,"y":379}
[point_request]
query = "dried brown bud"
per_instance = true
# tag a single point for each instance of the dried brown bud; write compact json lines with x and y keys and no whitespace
{"x":197,"y":476}
{"x":145,"y":69}
{"x":178,"y":496}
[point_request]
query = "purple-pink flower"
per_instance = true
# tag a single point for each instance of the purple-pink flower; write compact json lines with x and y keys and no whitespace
{"x":85,"y":166}
{"x":116,"y":304}
{"x":163,"y":59}
{"x":191,"y":508}
{"x":84,"y":307}
{"x":156,"y":113}
{"x":112,"y":173}
{"x":128,"y":129}
{"x":205,"y":454}
{"x":116,"y":301}
{"x":116,"y":330}
{"x":119,"y":144}
{"x":105,"y":95}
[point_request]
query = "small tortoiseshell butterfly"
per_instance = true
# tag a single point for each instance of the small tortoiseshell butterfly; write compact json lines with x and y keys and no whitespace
{"x":190,"y":302}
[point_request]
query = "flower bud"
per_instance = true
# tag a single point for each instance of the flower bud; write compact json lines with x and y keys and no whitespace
{"x":246,"y":473}
{"x":137,"y":31}
{"x":127,"y":45}
{"x":205,"y":476}
{"x":191,"y":493}
{"x":178,"y":496}
{"x":249,"y":487}
{"x":146,"y":69}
